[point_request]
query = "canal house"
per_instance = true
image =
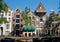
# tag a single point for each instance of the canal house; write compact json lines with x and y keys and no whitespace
{"x":6,"y":22}
{"x":17,"y":22}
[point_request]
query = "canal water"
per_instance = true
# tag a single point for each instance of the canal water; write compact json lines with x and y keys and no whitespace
{"x":13,"y":40}
{"x":56,"y":39}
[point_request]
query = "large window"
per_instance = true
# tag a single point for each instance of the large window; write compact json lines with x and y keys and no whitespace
{"x":37,"y":24}
{"x":7,"y":32}
{"x":21,"y":25}
{"x":17,"y":26}
{"x":17,"y":20}
{"x":26,"y":34}
{"x":13,"y":19}
{"x":17,"y":16}
{"x":41,"y":19}
{"x":7,"y":26}
{"x":41,"y":24}
{"x":9,"y":19}
{"x":33,"y":34}
{"x":6,"y":14}
{"x":37,"y":32}
{"x":29,"y":34}
{"x":33,"y":17}
{"x":52,"y":25}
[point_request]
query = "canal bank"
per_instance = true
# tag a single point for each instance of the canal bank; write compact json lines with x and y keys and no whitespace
{"x":30,"y":39}
{"x":16,"y":39}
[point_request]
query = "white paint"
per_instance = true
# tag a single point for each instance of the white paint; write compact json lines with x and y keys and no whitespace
{"x":40,"y":7}
{"x":6,"y":15}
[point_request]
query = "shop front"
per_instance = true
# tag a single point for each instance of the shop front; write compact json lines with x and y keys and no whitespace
{"x":29,"y":31}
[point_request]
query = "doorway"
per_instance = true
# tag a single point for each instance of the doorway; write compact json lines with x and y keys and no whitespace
{"x":1,"y":31}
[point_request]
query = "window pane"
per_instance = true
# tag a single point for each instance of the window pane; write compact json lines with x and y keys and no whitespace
{"x":17,"y":20}
{"x":17,"y":26}
{"x":21,"y":25}
{"x":7,"y":26}
{"x":26,"y":34}
{"x":17,"y":16}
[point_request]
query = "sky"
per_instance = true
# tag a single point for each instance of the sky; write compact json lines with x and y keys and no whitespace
{"x":32,"y":4}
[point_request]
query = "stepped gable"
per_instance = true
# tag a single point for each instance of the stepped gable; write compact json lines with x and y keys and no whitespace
{"x":40,"y":8}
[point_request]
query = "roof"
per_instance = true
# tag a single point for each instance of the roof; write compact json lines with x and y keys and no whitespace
{"x":18,"y":10}
{"x":40,"y":8}
{"x":9,"y":8}
{"x":58,"y":14}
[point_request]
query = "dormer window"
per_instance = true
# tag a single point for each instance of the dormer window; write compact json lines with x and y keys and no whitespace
{"x":40,"y":7}
{"x":17,"y":10}
{"x":41,"y":19}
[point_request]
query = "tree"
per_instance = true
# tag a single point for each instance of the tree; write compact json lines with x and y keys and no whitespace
{"x":3,"y":6}
{"x":56,"y":18}
{"x":3,"y":20}
{"x":25,"y":15}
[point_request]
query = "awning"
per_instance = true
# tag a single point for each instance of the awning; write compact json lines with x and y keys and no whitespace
{"x":29,"y":28}
{"x":25,"y":28}
{"x":33,"y":28}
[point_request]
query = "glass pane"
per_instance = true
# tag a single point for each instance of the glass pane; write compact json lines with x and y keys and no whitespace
{"x":17,"y":16}
{"x":17,"y":25}
{"x":17,"y":20}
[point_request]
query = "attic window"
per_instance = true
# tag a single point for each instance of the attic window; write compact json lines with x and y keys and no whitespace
{"x":41,"y":19}
{"x":40,"y":7}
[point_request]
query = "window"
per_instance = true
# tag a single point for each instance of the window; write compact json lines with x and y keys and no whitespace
{"x":7,"y":26}
{"x":37,"y":19}
{"x":26,"y":34}
{"x":37,"y":32}
{"x":21,"y":20}
{"x":17,"y":20}
{"x":13,"y":24}
{"x":29,"y":34}
{"x":40,"y":7}
{"x":17,"y":26}
{"x":41,"y":19}
{"x":37,"y":24}
{"x":41,"y":24}
{"x":29,"y":17}
{"x":13,"y":19}
{"x":6,"y":14}
{"x":7,"y":32}
{"x":33,"y":34}
{"x":21,"y":25}
{"x":52,"y":25}
{"x":33,"y":17}
{"x":9,"y":19}
{"x":9,"y":11}
{"x":2,"y":15}
{"x":17,"y":16}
